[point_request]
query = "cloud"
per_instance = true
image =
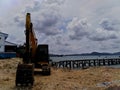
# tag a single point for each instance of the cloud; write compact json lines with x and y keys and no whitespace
{"x":47,"y":23}
{"x":45,"y":16}
{"x":102,"y":35}
{"x":57,"y":43}
{"x":19,"y":19}
{"x":78,"y":28}
{"x":109,"y":24}
{"x":108,"y":29}
{"x":59,"y":2}
{"x":68,"y":26}
{"x":13,"y":39}
{"x":1,"y":25}
{"x":34,"y":6}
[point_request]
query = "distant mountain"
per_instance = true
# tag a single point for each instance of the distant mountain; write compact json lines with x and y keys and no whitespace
{"x":56,"y":55}
{"x":97,"y":53}
{"x":93,"y":53}
{"x":103,"y":53}
{"x":117,"y":53}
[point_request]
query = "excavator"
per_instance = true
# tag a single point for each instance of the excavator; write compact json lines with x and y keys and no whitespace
{"x":35,"y":58}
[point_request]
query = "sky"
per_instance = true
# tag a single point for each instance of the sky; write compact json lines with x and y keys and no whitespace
{"x":67,"y":26}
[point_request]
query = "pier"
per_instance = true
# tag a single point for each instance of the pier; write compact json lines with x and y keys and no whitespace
{"x":72,"y":64}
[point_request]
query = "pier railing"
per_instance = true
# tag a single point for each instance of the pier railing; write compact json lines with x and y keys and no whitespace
{"x":86,"y":63}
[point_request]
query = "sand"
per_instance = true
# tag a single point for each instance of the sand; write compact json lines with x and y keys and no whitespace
{"x":93,"y":78}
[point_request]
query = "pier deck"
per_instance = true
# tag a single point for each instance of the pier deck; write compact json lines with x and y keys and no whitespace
{"x":86,"y":63}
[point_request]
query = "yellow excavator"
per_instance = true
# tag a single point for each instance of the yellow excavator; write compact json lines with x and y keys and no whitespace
{"x":35,"y":58}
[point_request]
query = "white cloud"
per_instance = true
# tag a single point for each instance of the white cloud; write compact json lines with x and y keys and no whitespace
{"x":102,"y":35}
{"x":68,"y":26}
{"x":78,"y":28}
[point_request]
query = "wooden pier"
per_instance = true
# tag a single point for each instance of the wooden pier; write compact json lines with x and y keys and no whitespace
{"x":72,"y":64}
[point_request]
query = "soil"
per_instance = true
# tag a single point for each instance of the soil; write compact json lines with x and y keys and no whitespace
{"x":93,"y":78}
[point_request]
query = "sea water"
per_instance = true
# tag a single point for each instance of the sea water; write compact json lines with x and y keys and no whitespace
{"x":84,"y":57}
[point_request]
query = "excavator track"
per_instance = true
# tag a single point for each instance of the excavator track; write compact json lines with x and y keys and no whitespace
{"x":25,"y":75}
{"x":46,"y":70}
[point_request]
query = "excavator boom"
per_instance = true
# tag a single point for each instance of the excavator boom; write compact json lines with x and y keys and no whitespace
{"x":31,"y":41}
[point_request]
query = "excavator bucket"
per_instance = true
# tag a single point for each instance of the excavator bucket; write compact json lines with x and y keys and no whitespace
{"x":25,"y":75}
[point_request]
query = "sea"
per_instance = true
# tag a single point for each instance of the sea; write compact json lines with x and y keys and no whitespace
{"x":85,"y":57}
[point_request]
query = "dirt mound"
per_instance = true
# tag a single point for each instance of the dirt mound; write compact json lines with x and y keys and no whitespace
{"x":94,"y":78}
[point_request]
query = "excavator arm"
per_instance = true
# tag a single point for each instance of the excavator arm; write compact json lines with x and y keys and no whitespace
{"x":31,"y":41}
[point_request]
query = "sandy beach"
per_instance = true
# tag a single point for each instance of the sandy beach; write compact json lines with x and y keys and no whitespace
{"x":93,"y":78}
